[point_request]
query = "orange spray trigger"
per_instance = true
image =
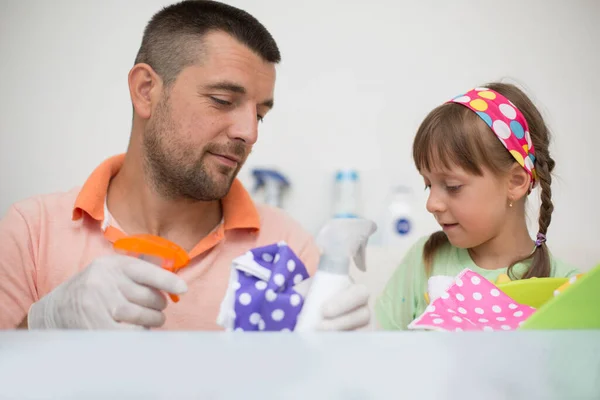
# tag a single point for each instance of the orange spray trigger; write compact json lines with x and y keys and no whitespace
{"x":155,"y":249}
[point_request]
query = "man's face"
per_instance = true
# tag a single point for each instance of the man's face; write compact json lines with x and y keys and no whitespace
{"x":205,"y":124}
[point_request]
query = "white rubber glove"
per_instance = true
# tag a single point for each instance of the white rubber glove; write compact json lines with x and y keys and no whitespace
{"x":113,"y":292}
{"x":345,"y":311}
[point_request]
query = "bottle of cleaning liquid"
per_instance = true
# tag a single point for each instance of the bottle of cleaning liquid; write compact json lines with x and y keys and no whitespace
{"x":340,"y":240}
{"x":274,"y":185}
{"x":347,"y":194}
{"x":398,"y":226}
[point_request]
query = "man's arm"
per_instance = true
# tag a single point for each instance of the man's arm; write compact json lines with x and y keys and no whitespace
{"x":17,"y":270}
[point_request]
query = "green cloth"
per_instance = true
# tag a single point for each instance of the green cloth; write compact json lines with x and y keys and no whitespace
{"x":403,"y":298}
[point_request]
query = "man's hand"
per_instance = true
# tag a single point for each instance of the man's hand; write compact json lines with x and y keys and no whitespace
{"x":113,"y":292}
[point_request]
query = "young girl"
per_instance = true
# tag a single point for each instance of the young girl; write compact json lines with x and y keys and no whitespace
{"x":480,"y":155}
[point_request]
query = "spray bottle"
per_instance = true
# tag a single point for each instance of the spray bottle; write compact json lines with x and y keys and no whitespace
{"x":340,"y":240}
{"x":273,"y":183}
{"x":155,"y":250}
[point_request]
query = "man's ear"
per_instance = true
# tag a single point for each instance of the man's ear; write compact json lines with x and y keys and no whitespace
{"x":145,"y":87}
{"x":519,"y":182}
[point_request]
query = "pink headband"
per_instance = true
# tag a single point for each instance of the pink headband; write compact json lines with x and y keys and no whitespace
{"x":507,"y":122}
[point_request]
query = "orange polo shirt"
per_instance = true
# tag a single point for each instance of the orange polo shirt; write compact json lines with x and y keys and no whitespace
{"x":47,"y":239}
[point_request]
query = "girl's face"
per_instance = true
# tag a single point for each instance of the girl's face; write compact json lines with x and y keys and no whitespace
{"x":470,"y":209}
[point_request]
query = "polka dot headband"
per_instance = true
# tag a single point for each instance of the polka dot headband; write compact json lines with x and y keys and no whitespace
{"x":506,"y":121}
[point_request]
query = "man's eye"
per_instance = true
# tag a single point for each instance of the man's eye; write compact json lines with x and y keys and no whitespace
{"x":260,"y":118}
{"x":220,"y":101}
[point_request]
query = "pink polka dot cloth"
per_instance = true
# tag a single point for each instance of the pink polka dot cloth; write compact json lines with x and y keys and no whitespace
{"x":472,"y":303}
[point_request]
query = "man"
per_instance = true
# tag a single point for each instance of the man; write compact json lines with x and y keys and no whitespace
{"x":202,"y":81}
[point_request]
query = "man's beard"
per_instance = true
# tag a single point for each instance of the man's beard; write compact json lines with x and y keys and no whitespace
{"x":176,"y":171}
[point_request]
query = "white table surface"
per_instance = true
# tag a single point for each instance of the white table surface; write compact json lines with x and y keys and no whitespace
{"x":409,"y":365}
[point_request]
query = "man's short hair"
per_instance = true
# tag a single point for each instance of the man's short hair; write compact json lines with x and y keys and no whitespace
{"x":173,"y":37}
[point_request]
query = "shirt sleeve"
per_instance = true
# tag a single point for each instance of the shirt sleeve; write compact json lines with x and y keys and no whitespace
{"x":561,"y":269}
{"x":17,"y":269}
{"x":395,"y":308}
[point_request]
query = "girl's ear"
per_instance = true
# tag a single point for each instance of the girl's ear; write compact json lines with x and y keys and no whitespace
{"x":519,"y":182}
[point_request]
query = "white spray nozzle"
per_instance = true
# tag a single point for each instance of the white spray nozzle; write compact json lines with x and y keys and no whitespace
{"x":343,"y":238}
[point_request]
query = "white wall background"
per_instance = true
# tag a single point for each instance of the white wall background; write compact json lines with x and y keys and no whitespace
{"x":356,"y":80}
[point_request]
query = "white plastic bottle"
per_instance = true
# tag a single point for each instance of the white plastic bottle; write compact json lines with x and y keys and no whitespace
{"x":346,"y":201}
{"x":340,"y":240}
{"x":398,"y":221}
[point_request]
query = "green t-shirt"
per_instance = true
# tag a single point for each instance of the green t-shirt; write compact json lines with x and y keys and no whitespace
{"x":403,"y":298}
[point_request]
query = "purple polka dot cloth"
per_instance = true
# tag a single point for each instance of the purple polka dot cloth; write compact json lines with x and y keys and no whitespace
{"x":261,"y":295}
